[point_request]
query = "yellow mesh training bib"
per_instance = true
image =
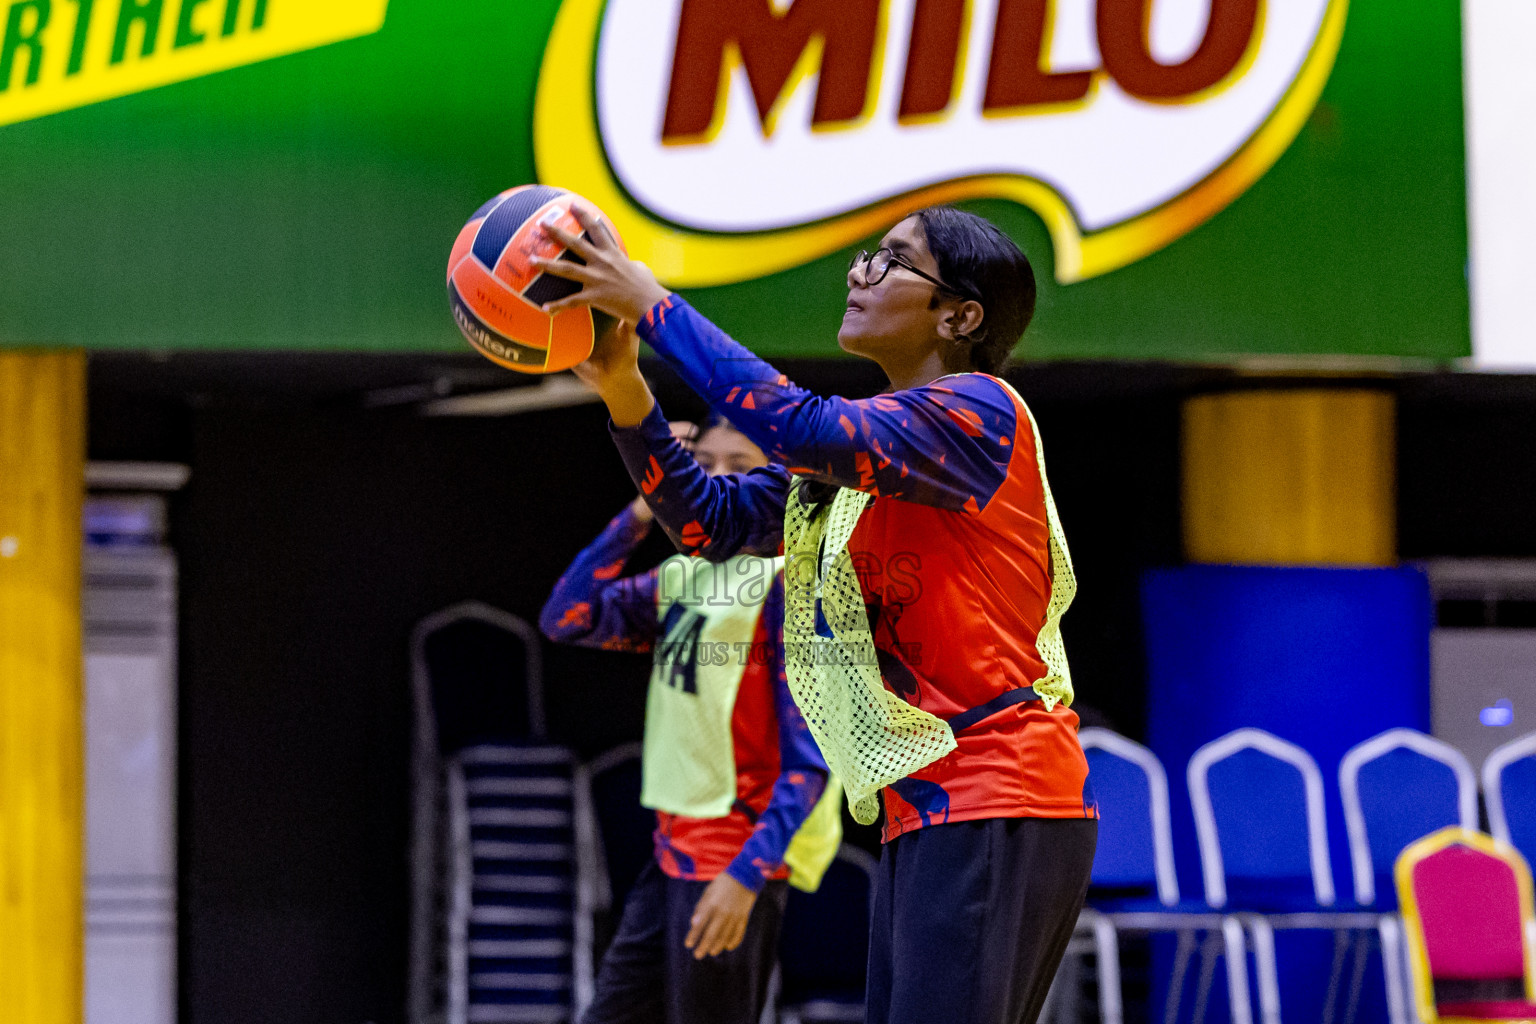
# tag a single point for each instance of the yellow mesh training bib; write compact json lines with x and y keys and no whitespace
{"x":869,"y":736}
{"x":708,"y":614}
{"x":815,"y":843}
{"x":1057,"y":684}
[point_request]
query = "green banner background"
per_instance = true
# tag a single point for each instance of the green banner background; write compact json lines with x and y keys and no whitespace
{"x":309,"y":202}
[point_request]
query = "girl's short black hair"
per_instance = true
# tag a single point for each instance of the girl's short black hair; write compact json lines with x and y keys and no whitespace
{"x":979,"y":262}
{"x":713,"y":419}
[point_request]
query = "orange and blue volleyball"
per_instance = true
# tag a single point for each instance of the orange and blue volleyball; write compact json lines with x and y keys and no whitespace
{"x":497,"y":294}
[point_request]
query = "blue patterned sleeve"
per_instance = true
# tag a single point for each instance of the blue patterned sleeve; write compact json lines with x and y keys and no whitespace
{"x":594,"y":605}
{"x":713,"y":517}
{"x":802,"y":770}
{"x":946,"y":444}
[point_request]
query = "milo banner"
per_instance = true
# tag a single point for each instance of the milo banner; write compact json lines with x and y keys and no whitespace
{"x":1194,"y":179}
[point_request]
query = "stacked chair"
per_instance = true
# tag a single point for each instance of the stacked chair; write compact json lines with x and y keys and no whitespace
{"x":516,"y":923}
{"x":1509,"y":787}
{"x":1135,"y":887}
{"x":504,"y":853}
{"x":1260,"y":814}
{"x":1261,"y":824}
{"x":1396,"y":788}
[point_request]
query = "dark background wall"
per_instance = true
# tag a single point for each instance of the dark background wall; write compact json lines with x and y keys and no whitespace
{"x":325,"y":517}
{"x":1467,"y":466}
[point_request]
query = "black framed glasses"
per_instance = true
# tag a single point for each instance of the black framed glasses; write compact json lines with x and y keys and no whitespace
{"x":878,"y":263}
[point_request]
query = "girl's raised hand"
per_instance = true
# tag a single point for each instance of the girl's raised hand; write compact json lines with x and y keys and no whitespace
{"x":615,"y":358}
{"x":610,"y":280}
{"x":613,"y":371}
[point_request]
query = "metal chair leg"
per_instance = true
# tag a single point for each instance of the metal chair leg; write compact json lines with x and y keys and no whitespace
{"x":1210,"y":949}
{"x":1237,"y":970}
{"x":1107,"y":952}
{"x":1341,"y":945}
{"x":1052,"y":996}
{"x":1181,"y":955}
{"x":1392,"y":968}
{"x":1362,"y":948}
{"x":1266,"y":967}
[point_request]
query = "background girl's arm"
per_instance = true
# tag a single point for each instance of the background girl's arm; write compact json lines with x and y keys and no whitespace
{"x":593,"y":604}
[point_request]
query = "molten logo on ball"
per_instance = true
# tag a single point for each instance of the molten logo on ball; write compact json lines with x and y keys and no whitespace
{"x":735,"y":138}
{"x":497,"y":294}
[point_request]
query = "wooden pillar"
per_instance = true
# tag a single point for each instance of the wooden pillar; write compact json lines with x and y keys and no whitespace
{"x":1290,"y":477}
{"x":42,"y":484}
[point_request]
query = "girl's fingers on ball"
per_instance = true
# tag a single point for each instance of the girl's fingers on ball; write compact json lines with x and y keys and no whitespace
{"x":600,"y":230}
{"x":602,"y":238}
{"x":561,"y":305}
{"x":587,"y":222}
{"x":557,"y":233}
{"x":562,"y":268}
{"x":575,"y":243}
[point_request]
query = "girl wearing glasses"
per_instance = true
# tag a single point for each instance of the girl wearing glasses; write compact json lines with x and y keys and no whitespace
{"x":929,"y":505}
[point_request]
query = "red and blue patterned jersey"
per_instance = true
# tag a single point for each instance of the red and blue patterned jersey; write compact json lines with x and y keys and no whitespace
{"x":952,"y":555}
{"x":780,"y":773}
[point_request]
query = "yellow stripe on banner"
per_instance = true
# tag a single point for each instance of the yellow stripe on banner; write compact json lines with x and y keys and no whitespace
{"x":1290,"y":477}
{"x":42,"y":482}
{"x":56,"y":56}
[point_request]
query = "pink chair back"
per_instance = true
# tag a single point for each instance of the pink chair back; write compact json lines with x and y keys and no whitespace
{"x":1469,"y":903}
{"x":1468,"y":915}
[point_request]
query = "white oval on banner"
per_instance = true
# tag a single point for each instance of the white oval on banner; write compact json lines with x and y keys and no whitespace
{"x":739,"y":137}
{"x":1110,"y":157}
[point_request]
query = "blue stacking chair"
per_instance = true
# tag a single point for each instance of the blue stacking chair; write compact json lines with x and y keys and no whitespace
{"x":824,"y":945}
{"x":1263,"y":836}
{"x":1398,"y":787}
{"x":625,"y":830}
{"x":1509,"y":788}
{"x":1135,"y":849}
{"x":512,"y":924}
{"x":1135,"y":886}
{"x":503,"y":849}
{"x":478,"y":678}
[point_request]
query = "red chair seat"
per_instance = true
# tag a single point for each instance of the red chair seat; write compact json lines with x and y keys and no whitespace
{"x":1490,"y":1009}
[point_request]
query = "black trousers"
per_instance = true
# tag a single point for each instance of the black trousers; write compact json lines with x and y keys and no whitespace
{"x":971,"y":919}
{"x":649,"y":977}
